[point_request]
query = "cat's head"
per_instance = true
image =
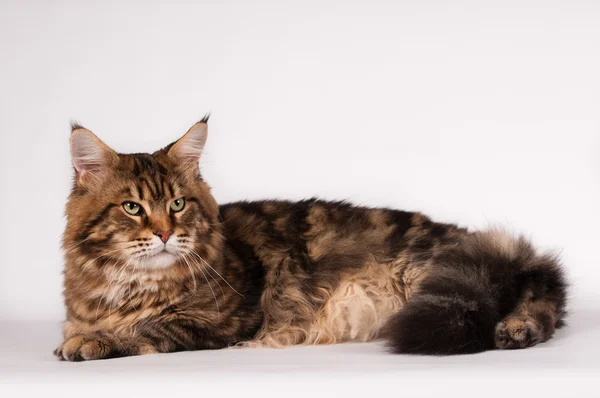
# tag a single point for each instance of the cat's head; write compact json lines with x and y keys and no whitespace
{"x":143,"y":211}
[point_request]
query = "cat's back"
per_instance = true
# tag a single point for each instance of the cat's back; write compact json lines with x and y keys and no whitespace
{"x":318,"y":231}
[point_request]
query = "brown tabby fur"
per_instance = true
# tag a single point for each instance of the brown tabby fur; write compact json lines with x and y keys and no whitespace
{"x":278,"y":273}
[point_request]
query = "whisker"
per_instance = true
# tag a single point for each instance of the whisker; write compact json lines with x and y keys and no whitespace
{"x":72,"y":247}
{"x":211,"y":276}
{"x":192,"y":274}
{"x":213,"y":293}
{"x":89,"y":263}
{"x":216,"y":272}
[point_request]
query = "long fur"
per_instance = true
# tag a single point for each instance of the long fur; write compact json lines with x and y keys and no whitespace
{"x":278,"y":273}
{"x":476,"y":284}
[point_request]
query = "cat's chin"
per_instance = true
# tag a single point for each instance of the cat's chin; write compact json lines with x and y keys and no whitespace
{"x":161,"y":260}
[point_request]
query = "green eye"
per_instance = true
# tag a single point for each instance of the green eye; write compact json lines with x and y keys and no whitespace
{"x":132,"y":208}
{"x":177,"y":205}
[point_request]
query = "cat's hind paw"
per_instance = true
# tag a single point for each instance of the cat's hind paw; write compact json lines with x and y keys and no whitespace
{"x":517,"y":332}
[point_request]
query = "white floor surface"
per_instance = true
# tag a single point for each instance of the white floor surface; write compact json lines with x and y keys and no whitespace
{"x":569,"y":365}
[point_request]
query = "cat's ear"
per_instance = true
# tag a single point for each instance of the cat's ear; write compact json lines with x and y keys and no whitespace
{"x":92,"y":159}
{"x":187,"y":150}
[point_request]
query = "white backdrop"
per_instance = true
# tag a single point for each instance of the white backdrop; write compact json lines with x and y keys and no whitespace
{"x":474,"y":112}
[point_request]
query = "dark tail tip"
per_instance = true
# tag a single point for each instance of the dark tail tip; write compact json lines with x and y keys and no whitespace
{"x":442,"y":325}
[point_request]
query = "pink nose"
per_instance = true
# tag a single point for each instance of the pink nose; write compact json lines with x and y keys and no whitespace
{"x":163,"y":235}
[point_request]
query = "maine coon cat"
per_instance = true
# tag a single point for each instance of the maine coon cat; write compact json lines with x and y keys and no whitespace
{"x":153,"y":264}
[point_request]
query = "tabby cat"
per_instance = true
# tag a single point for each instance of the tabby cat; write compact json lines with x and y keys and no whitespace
{"x":153,"y":265}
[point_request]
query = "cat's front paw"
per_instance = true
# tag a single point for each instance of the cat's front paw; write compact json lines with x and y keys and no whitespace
{"x":84,"y":348}
{"x":517,"y":332}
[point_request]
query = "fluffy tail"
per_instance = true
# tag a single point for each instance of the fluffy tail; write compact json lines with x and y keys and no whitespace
{"x":488,"y":291}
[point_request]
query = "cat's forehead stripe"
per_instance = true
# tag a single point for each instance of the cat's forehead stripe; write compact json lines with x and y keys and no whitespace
{"x":148,"y":187}
{"x":167,"y":188}
{"x":154,"y":187}
{"x":140,"y":191}
{"x":152,"y":181}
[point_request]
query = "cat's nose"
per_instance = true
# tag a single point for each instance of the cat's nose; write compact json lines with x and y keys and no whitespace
{"x":163,"y":235}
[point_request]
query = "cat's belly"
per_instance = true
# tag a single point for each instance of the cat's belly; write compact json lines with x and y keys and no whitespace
{"x":357,"y":309}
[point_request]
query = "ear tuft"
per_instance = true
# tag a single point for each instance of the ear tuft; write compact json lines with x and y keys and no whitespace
{"x":205,"y":118}
{"x":188,"y":148}
{"x":75,"y":125}
{"x":91,"y":157}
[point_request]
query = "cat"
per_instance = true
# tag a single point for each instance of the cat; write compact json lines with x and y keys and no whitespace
{"x":154,"y":265}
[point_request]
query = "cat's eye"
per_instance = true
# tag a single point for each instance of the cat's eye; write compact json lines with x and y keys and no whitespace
{"x":132,"y":208}
{"x":177,"y":205}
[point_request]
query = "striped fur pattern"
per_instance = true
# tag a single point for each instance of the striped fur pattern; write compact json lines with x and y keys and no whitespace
{"x":278,"y":273}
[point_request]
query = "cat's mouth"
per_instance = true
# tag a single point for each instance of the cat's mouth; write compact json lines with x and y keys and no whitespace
{"x":160,"y":257}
